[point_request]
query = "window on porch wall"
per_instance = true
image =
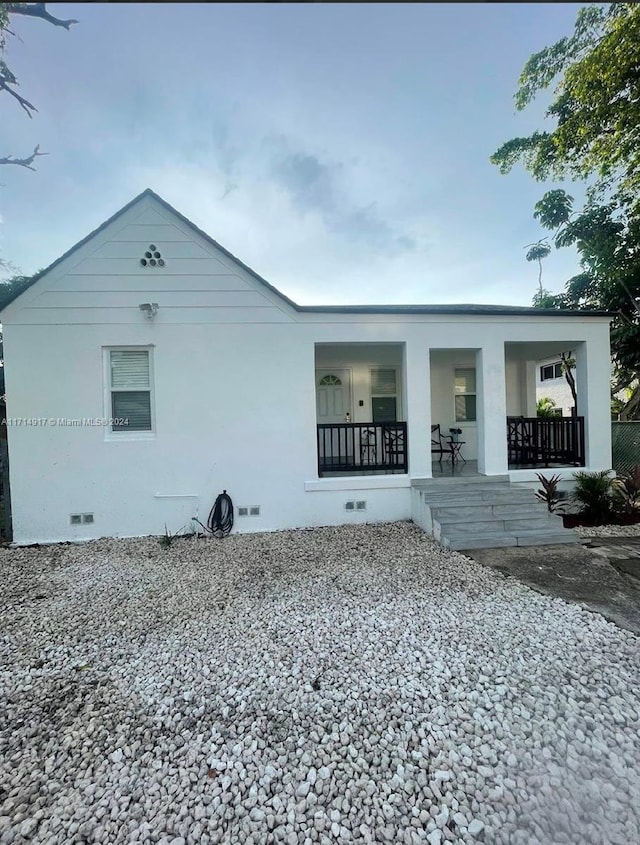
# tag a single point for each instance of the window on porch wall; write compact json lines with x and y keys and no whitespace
{"x":384,"y":395}
{"x":465,"y":394}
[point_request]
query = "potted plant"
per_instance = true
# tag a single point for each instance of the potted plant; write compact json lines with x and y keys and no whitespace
{"x":455,"y":434}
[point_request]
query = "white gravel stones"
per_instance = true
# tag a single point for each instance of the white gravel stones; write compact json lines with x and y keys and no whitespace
{"x":476,"y":827}
{"x":609,"y":530}
{"x":344,"y":685}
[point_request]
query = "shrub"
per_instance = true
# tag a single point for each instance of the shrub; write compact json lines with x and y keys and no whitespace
{"x":549,"y":493}
{"x":594,"y":492}
{"x":546,"y":407}
{"x":626,"y":489}
{"x":167,"y":538}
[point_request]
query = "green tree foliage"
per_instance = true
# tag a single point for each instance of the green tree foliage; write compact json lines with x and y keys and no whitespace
{"x":8,"y":81}
{"x":11,"y":288}
{"x":596,"y":109}
{"x":546,"y":407}
{"x":536,"y":252}
{"x":594,"y":137}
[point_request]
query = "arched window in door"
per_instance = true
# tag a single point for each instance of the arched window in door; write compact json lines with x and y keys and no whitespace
{"x":330,"y":381}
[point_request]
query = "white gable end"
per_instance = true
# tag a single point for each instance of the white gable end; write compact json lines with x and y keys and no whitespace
{"x":104,"y":280}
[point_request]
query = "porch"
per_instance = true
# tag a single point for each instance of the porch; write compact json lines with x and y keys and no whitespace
{"x":375,"y":403}
{"x":374,"y":449}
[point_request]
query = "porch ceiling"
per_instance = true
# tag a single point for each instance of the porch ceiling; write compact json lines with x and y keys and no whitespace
{"x":536,"y":350}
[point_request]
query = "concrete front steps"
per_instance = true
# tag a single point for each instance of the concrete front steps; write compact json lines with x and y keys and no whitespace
{"x":485,"y":512}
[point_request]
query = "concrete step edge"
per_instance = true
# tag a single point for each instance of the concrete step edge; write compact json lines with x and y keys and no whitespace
{"x":507,"y":539}
{"x":483,"y":512}
{"x":454,"y":529}
{"x":457,"y":479}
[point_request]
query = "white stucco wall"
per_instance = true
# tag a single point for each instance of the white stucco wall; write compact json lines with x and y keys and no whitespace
{"x":555,"y":388}
{"x":234,"y":390}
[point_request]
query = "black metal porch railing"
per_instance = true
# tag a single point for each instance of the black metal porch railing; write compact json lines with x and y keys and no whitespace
{"x":545,"y":441}
{"x":366,"y":447}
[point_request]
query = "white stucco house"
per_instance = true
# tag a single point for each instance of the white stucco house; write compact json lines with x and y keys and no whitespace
{"x":209,"y":378}
{"x":551,"y":383}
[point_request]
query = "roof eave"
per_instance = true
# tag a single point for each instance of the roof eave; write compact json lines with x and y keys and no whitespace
{"x":484,"y":310}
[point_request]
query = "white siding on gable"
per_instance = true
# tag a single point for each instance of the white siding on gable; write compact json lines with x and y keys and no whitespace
{"x":170,"y":249}
{"x":152,"y":217}
{"x":153,"y":234}
{"x":172,"y":298}
{"x":103,"y":281}
{"x":162,"y":281}
{"x":173,"y":266}
{"x":131,"y":315}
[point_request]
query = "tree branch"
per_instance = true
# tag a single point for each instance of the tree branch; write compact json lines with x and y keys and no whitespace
{"x":38,"y":10}
{"x":567,"y":365}
{"x":24,"y":162}
{"x":23,"y":103}
{"x":623,"y":382}
{"x":628,"y":412}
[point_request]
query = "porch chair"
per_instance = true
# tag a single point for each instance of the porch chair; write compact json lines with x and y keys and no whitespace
{"x":394,"y":446}
{"x":368,"y":446}
{"x":440,"y":444}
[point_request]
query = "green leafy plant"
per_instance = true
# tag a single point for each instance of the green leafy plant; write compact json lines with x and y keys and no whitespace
{"x":546,"y":407}
{"x":549,"y":493}
{"x":594,"y":493}
{"x":167,"y":538}
{"x":626,"y":490}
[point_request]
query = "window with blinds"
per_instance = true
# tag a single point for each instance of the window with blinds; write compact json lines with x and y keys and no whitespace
{"x":383,"y":382}
{"x":384,"y":405}
{"x":465,"y":394}
{"x":130,"y":388}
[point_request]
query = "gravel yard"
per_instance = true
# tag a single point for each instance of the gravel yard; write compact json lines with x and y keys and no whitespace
{"x":608,"y":530}
{"x":339,"y":685}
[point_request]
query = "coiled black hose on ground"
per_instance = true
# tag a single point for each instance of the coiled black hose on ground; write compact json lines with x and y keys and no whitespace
{"x":220,"y":520}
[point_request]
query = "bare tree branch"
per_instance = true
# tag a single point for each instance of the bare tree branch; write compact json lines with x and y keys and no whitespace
{"x":8,"y":81}
{"x":38,"y":10}
{"x":24,"y":104}
{"x":24,"y":162}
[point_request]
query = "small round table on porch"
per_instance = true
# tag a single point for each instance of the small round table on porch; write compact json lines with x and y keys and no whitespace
{"x":456,"y":450}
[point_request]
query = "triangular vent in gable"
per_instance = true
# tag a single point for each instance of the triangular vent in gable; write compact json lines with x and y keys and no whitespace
{"x":152,"y":257}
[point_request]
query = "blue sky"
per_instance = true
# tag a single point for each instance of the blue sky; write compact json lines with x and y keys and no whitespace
{"x":342,"y":150}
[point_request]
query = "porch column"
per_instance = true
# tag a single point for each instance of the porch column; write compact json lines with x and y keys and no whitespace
{"x":594,"y":400}
{"x":531,"y":373}
{"x":418,"y":405}
{"x":491,"y":409}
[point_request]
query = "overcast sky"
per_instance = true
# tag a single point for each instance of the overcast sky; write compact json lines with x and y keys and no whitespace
{"x":341,"y":151}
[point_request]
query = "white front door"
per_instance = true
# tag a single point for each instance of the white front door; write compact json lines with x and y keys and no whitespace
{"x":333,"y":395}
{"x":333,"y":403}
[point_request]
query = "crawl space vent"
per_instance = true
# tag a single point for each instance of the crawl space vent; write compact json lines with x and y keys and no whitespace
{"x":152,"y":257}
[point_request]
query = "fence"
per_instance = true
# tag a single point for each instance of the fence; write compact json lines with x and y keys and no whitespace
{"x":545,"y":441}
{"x":362,"y":447}
{"x":625,"y":445}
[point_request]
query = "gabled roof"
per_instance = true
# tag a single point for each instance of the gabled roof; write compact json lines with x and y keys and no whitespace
{"x":149,"y":193}
{"x":470,"y":309}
